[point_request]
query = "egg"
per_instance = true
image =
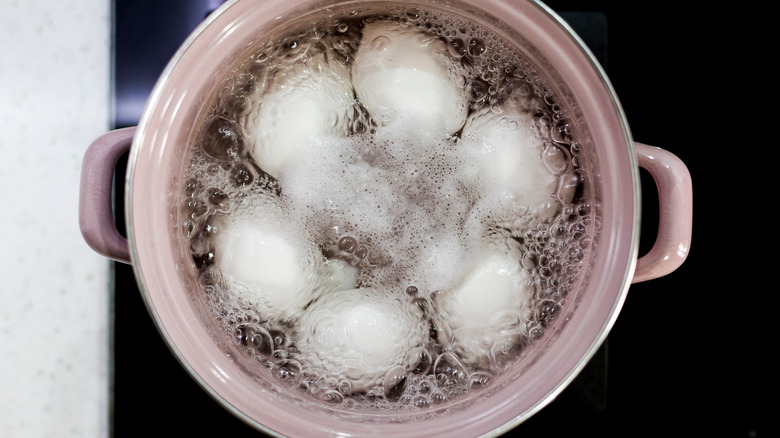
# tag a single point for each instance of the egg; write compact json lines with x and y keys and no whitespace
{"x":305,"y":103}
{"x":401,"y":74}
{"x":486,"y":304}
{"x":358,"y":335}
{"x":504,"y":156}
{"x":274,"y":269}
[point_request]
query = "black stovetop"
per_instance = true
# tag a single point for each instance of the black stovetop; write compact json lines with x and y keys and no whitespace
{"x":648,"y":376}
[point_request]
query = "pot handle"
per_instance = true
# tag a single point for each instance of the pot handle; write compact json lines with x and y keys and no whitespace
{"x":675,"y":209}
{"x":96,"y":216}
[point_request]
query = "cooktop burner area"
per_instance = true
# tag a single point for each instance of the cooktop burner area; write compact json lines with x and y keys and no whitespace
{"x":617,"y":391}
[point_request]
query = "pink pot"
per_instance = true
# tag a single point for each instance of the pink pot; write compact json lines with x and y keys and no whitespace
{"x":158,"y":147}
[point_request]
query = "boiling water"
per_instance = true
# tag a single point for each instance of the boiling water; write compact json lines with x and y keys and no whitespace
{"x":386,"y":210}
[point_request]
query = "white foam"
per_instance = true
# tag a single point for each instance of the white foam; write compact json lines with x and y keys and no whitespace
{"x":257,"y":252}
{"x":438,"y":262}
{"x":399,"y":73}
{"x":307,"y":101}
{"x":505,"y":156}
{"x":358,"y":334}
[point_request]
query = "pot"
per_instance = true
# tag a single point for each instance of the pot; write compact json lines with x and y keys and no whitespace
{"x":159,"y":148}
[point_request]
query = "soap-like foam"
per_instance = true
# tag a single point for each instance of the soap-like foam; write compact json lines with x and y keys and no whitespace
{"x":401,"y":198}
{"x":400,"y":73}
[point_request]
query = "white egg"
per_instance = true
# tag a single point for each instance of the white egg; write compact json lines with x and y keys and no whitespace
{"x":358,"y":334}
{"x":400,"y":73}
{"x":489,"y":301}
{"x":309,"y":101}
{"x":505,"y":159}
{"x":274,"y":269}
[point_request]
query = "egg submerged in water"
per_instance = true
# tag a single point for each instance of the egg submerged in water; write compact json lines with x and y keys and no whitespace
{"x":486,"y":305}
{"x":307,"y":101}
{"x":505,"y":160}
{"x":400,"y":74}
{"x":358,"y":336}
{"x":274,"y":270}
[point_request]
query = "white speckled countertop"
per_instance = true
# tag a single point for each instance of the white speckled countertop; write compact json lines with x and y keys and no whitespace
{"x":54,"y":101}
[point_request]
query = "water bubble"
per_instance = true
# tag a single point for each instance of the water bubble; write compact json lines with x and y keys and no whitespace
{"x":560,"y":132}
{"x":457,"y":47}
{"x":380,"y":42}
{"x":477,"y":47}
{"x":345,"y":386}
{"x":546,"y":311}
{"x":549,"y":99}
{"x":414,"y":14}
{"x":557,"y":230}
{"x":331,"y":382}
{"x":192,"y":187}
{"x":421,"y":402}
{"x":222,"y":140}
{"x":555,"y":159}
{"x":260,"y":341}
{"x":479,"y":379}
{"x":239,"y":335}
{"x":449,"y":368}
{"x":279,"y":338}
{"x":438,"y":332}
{"x":393,"y":383}
{"x":478,"y":90}
{"x":348,"y":244}
{"x":361,"y":252}
{"x":218,"y":199}
{"x":567,"y":186}
{"x":288,"y":370}
{"x":242,"y":175}
{"x":425,"y":386}
{"x":418,"y":360}
{"x":195,"y":208}
{"x":332,"y":396}
{"x":535,"y":331}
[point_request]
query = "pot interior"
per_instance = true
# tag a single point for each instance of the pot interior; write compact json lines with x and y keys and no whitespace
{"x":577,"y":253}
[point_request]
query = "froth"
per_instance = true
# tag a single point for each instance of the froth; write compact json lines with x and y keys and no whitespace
{"x":401,"y":198}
